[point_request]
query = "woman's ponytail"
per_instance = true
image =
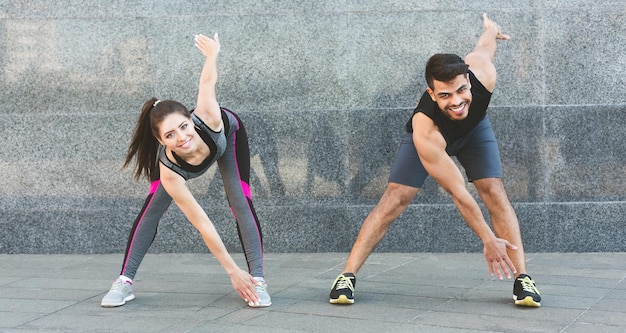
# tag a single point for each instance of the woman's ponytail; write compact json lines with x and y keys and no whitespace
{"x":144,"y":145}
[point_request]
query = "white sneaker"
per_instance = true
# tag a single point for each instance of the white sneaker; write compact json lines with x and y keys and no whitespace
{"x":261,"y":291}
{"x":121,"y":292}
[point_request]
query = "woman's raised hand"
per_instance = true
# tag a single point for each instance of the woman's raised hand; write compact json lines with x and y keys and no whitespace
{"x":209,"y":47}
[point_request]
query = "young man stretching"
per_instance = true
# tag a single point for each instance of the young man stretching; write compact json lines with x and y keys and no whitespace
{"x":451,"y":120}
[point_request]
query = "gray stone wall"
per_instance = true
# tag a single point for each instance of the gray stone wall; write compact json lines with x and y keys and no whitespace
{"x":324,"y":88}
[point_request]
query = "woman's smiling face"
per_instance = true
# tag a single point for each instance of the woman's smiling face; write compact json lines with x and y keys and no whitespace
{"x":178,"y":134}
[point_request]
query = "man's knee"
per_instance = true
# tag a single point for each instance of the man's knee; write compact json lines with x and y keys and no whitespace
{"x":398,"y":195}
{"x":493,"y":194}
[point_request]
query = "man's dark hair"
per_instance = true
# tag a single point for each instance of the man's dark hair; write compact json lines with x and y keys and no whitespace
{"x":444,"y":67}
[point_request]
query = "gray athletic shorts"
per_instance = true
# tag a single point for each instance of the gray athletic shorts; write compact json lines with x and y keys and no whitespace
{"x":477,"y":152}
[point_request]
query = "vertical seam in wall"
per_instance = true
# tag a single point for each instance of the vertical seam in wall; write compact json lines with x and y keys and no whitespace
{"x":543,"y":194}
{"x":542,"y":65}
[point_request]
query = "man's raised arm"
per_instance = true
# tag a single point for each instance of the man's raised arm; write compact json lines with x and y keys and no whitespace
{"x":480,"y":60}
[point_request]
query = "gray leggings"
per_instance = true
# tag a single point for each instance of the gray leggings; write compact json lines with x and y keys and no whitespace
{"x":234,"y":166}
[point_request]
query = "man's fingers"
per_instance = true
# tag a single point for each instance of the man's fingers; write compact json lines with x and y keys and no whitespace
{"x":502,"y":266}
{"x":510,"y":245}
{"x":502,"y":36}
{"x":496,"y":269}
{"x":506,"y":266}
{"x":512,"y":267}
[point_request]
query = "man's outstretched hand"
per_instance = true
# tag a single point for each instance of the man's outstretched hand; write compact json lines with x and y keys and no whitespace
{"x":489,"y":24}
{"x":497,"y":258}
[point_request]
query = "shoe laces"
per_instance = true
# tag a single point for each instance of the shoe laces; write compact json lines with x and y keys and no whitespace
{"x":528,"y":285}
{"x":343,"y":282}
{"x":262,"y":284}
{"x":118,"y":285}
{"x":261,"y":287}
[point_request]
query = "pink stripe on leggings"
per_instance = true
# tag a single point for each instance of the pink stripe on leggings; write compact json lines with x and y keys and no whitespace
{"x":153,"y":188}
{"x":246,"y":189}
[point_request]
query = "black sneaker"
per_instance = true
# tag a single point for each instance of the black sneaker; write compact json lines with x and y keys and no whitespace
{"x":525,"y":293}
{"x":343,"y":289}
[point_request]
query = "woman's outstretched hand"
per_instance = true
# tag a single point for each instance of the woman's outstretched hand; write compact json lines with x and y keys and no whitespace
{"x":209,"y":47}
{"x":243,"y":283}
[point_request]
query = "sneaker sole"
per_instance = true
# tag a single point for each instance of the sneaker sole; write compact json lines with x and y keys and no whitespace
{"x":113,"y":305}
{"x":527,"y":301}
{"x":260,"y":305}
{"x":342,"y":299}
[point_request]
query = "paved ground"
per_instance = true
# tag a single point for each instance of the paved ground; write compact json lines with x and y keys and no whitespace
{"x":415,"y":292}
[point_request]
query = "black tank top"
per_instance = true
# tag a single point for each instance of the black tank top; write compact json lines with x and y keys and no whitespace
{"x":452,"y":130}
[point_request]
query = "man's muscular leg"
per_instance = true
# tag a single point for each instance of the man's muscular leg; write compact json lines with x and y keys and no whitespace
{"x":503,"y":218}
{"x":393,"y":202}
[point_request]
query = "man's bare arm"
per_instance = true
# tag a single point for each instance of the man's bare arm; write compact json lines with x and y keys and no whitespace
{"x":430,"y":146}
{"x":480,"y":60}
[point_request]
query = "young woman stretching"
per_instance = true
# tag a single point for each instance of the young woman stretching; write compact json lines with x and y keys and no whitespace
{"x":172,"y":145}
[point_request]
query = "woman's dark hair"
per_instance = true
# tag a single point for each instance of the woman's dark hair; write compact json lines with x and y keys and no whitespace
{"x":444,"y":67}
{"x":144,"y":143}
